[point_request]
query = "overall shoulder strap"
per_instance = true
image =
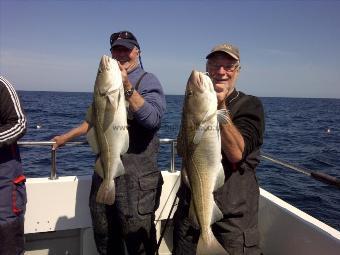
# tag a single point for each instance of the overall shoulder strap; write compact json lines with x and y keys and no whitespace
{"x":139,"y":80}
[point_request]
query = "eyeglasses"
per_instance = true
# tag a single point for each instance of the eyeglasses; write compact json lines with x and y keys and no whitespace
{"x":122,"y":35}
{"x":227,"y":67}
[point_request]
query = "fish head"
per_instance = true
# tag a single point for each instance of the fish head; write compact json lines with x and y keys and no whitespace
{"x":109,"y":76}
{"x":200,"y":96}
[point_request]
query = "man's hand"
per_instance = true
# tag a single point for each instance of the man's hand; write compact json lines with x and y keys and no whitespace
{"x":126,"y":83}
{"x":221,"y":93}
{"x":59,"y":141}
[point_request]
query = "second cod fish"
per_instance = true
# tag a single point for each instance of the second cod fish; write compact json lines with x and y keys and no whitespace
{"x":199,"y":144}
{"x":108,"y":137}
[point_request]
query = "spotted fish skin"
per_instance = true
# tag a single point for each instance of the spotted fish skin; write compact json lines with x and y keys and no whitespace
{"x":199,"y":144}
{"x":108,"y":137}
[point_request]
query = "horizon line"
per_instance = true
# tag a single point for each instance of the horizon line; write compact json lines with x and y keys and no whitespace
{"x":49,"y":91}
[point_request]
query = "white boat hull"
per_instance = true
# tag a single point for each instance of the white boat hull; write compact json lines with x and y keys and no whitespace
{"x":57,"y":220}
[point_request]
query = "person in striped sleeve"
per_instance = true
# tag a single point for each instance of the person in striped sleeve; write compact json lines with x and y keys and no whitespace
{"x":12,"y":181}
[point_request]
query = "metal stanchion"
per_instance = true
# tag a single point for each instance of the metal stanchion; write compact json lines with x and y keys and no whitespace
{"x":172,"y":163}
{"x":53,"y":164}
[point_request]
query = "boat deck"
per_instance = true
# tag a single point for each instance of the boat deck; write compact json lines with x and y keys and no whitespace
{"x":58,"y":220}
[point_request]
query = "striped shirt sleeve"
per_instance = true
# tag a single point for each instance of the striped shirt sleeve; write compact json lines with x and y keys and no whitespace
{"x":12,"y":118}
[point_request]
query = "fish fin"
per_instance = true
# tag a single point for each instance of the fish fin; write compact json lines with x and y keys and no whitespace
{"x":209,"y":246}
{"x":185,"y":178}
{"x":98,"y":167}
{"x":192,"y":215}
{"x":199,"y":134}
{"x":179,"y":145}
{"x":223,"y":116}
{"x":201,"y":129}
{"x":118,"y":168}
{"x":219,"y":178}
{"x":91,"y":137}
{"x":216,"y":214}
{"x":106,"y":193}
{"x":89,"y":115}
{"x":112,"y":99}
{"x":126,"y":144}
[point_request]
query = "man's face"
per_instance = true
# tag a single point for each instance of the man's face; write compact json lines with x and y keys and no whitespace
{"x":125,"y":56}
{"x":223,"y":69}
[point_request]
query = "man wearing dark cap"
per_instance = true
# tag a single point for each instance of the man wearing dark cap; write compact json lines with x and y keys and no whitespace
{"x":128,"y":224}
{"x":242,"y":137}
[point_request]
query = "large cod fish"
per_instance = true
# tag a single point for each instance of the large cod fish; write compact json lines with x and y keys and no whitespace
{"x":199,"y":144}
{"x":108,"y":137}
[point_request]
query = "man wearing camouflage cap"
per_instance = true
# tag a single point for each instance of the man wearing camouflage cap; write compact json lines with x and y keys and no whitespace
{"x":242,"y":137}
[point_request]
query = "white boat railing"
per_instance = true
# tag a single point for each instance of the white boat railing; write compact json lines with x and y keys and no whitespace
{"x":320,"y":176}
{"x":53,"y":174}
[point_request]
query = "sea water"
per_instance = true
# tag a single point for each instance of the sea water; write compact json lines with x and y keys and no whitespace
{"x":303,"y":131}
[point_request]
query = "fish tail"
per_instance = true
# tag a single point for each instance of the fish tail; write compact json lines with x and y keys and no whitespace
{"x":107,"y":192}
{"x":210,"y":245}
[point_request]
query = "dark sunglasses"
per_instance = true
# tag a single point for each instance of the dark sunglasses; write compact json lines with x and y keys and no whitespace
{"x":122,"y":35}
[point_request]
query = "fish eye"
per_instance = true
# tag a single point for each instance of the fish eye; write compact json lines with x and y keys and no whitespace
{"x":189,"y":93}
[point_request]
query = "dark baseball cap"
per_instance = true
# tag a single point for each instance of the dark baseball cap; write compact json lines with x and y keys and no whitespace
{"x":230,"y":49}
{"x":124,"y":38}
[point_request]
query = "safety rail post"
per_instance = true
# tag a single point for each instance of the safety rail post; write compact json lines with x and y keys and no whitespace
{"x":53,"y":164}
{"x":172,"y":143}
{"x":53,"y":174}
{"x":172,"y":162}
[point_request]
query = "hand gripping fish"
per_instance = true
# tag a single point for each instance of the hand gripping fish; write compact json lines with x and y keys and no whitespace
{"x":108,"y":137}
{"x":199,"y":144}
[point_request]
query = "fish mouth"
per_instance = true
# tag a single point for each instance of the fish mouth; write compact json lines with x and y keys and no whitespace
{"x":105,"y":64}
{"x":197,"y":78}
{"x":200,"y":82}
{"x":205,"y":82}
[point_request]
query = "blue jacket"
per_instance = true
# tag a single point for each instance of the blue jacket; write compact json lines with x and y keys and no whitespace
{"x":150,"y":114}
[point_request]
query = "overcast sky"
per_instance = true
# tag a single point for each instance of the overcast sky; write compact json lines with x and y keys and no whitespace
{"x":288,"y":48}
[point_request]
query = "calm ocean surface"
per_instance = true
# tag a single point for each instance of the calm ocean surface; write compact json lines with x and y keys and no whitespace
{"x":304,"y":132}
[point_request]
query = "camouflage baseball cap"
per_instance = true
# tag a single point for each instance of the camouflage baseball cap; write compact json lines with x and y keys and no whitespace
{"x":230,"y":49}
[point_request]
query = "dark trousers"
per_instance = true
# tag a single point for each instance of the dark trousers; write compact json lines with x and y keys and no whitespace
{"x":185,"y":239}
{"x":12,"y":236}
{"x":237,"y":232}
{"x":127,"y":226}
{"x":12,"y":207}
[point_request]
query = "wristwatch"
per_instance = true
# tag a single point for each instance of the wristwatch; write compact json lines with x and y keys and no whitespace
{"x":128,"y":93}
